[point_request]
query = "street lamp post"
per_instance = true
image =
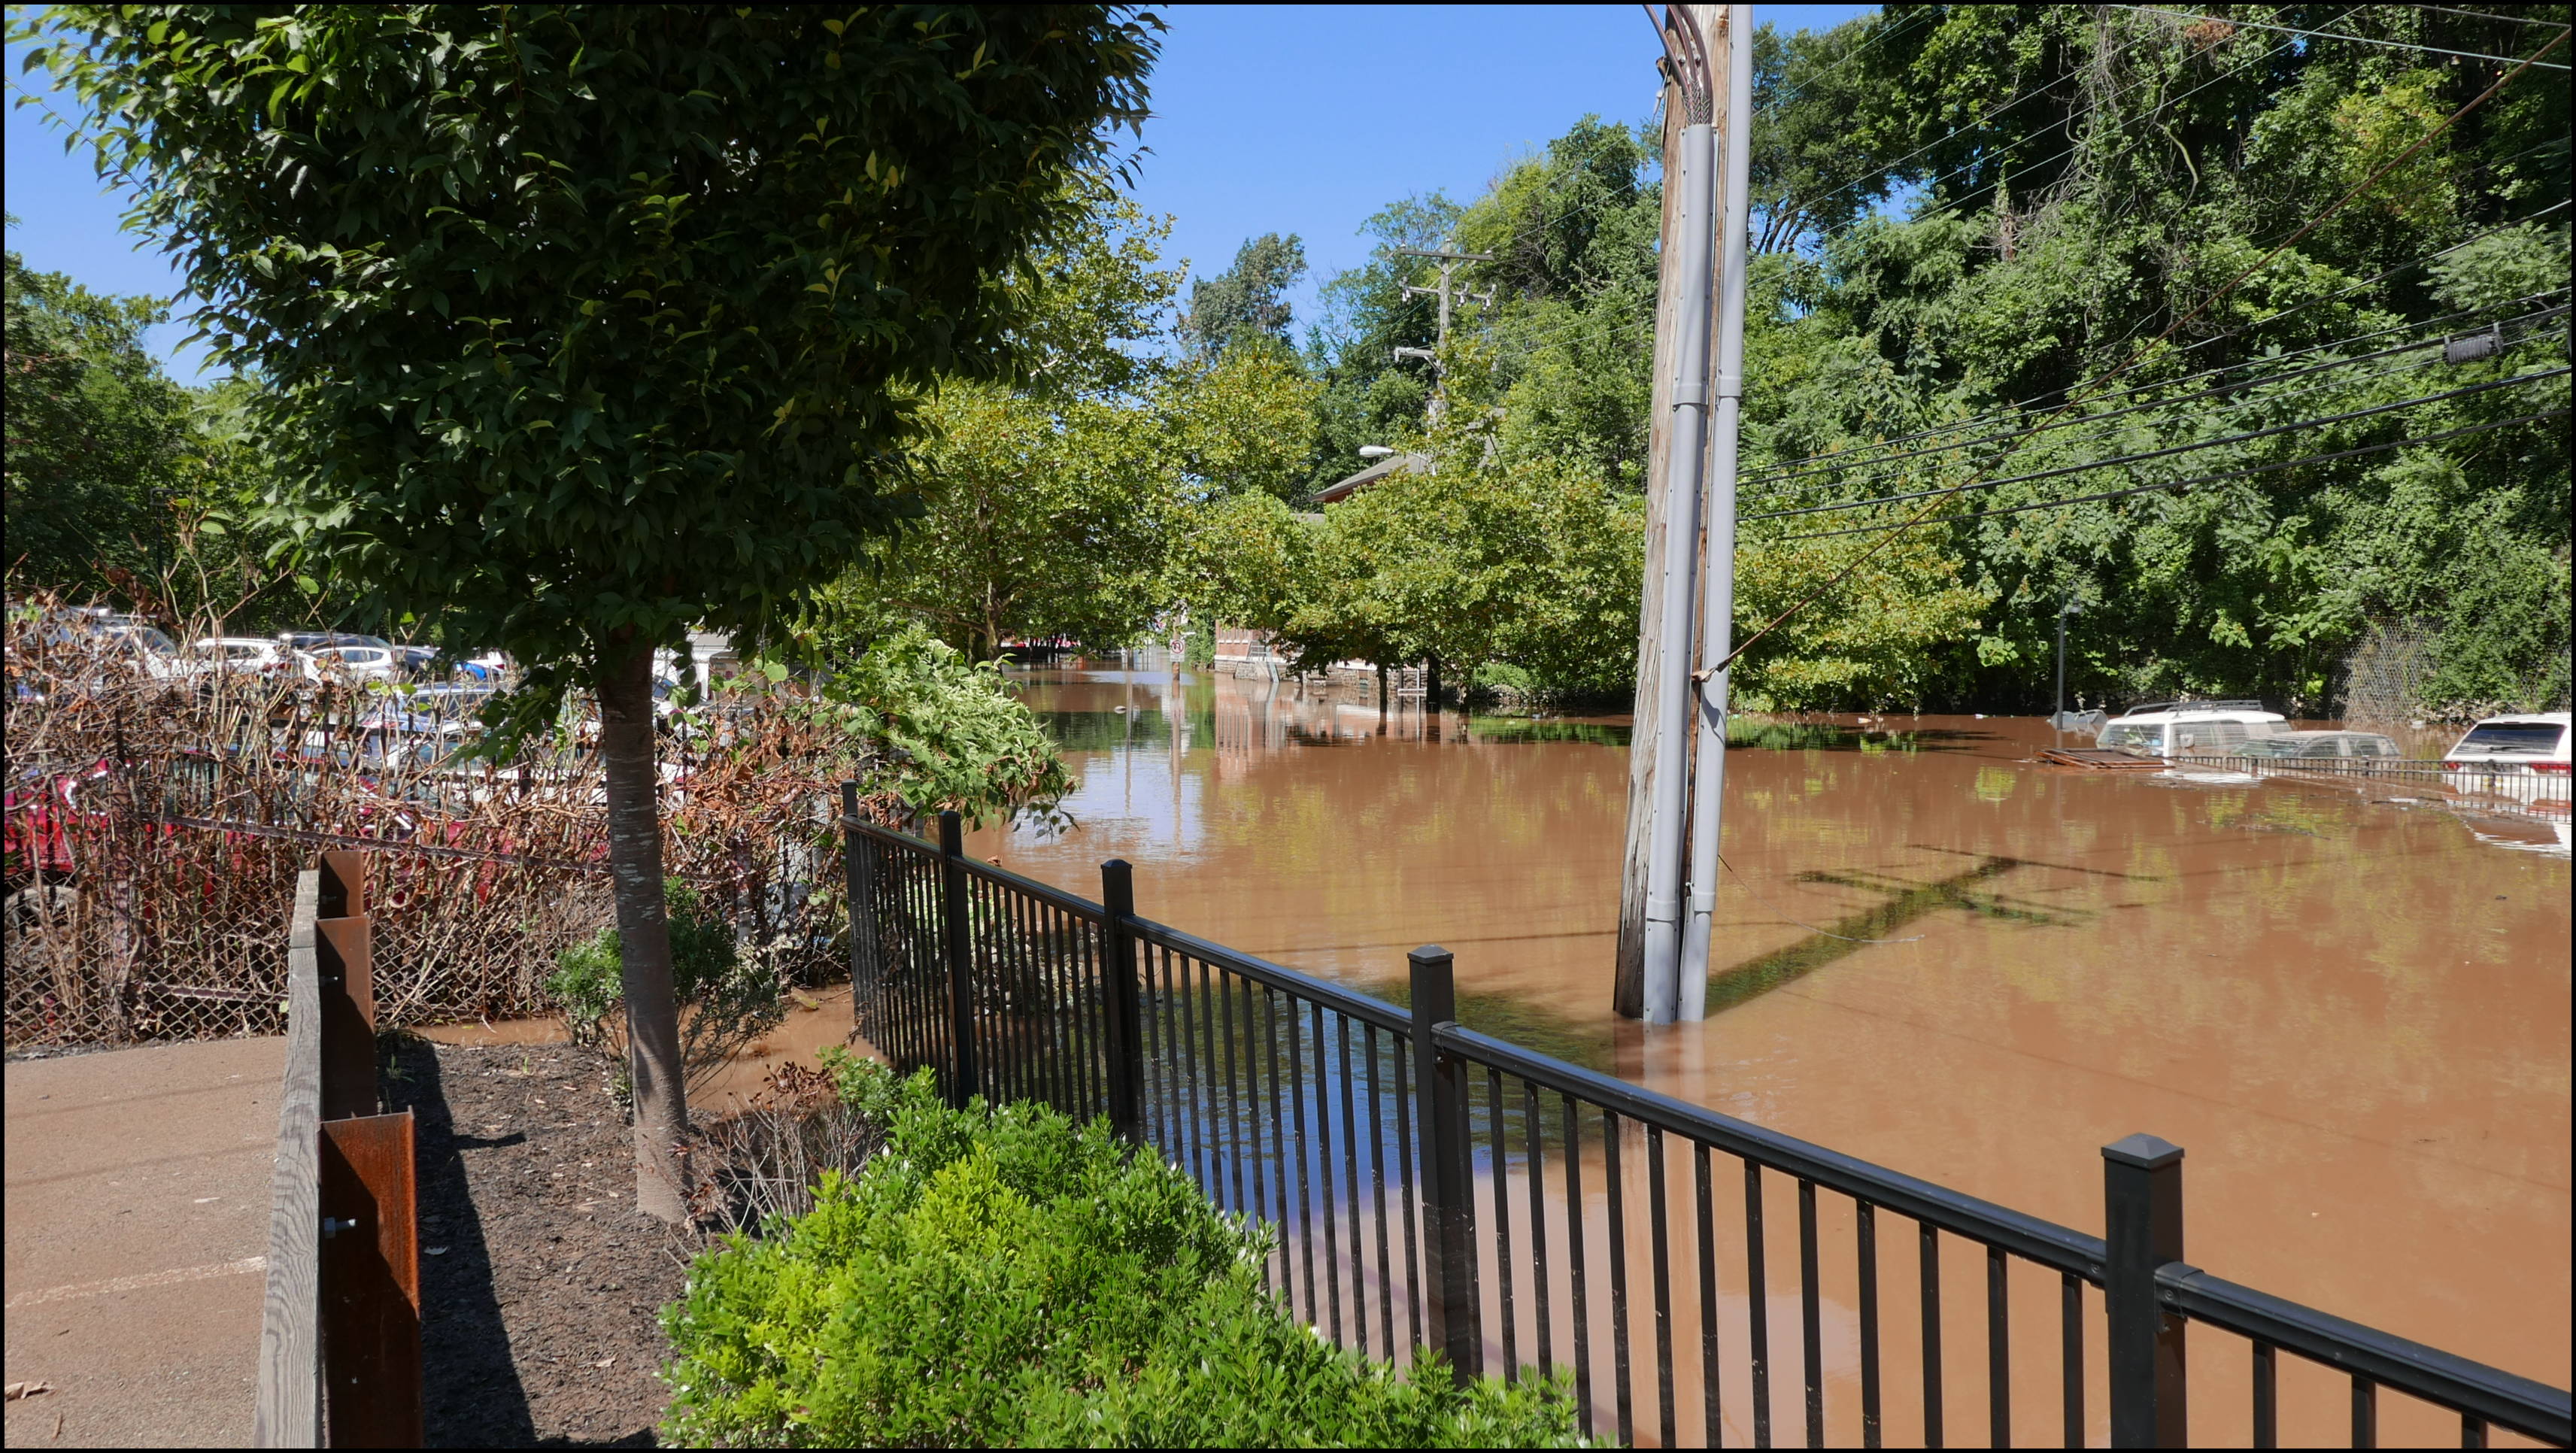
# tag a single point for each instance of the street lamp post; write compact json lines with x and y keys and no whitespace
{"x":2058,"y":718}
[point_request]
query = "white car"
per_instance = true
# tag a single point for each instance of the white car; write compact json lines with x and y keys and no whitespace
{"x":2522,"y":756}
{"x":241,"y":653}
{"x":147,"y":647}
{"x":2192,"y":728}
{"x":357,"y":663}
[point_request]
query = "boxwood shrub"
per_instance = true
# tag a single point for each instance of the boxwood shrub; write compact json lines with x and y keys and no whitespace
{"x":1001,"y":1276}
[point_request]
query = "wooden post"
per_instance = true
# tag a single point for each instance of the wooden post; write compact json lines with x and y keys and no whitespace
{"x":1628,"y":984}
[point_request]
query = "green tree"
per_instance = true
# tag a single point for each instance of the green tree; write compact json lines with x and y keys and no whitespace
{"x":589,"y":324}
{"x":95,"y":431}
{"x":1247,"y":303}
{"x":1051,"y":503}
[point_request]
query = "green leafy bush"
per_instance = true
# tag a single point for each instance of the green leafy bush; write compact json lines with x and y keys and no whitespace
{"x":1002,"y":1276}
{"x":724,"y":1002}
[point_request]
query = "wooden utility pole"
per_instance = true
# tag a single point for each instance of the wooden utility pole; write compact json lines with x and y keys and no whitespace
{"x":1628,"y":991}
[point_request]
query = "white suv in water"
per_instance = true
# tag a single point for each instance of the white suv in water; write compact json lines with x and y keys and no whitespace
{"x":2520,"y":756}
{"x":2191,"y":728}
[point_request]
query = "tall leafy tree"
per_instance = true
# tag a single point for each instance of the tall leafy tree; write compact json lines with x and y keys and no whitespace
{"x":95,"y":433}
{"x":1248,"y":302}
{"x":587,"y":324}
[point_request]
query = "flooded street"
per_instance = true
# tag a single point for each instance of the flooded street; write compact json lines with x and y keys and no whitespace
{"x":1935,"y":955}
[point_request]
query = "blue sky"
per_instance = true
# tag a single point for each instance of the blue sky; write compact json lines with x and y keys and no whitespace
{"x":1301,"y":119}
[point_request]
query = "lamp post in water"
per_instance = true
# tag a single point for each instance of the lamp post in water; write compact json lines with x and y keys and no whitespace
{"x":2057,"y":719}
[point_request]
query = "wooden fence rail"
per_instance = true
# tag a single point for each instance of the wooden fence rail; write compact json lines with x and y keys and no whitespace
{"x":339,"y":1360}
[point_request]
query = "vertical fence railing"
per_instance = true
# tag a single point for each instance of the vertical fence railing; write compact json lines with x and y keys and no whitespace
{"x":1694,"y":1278}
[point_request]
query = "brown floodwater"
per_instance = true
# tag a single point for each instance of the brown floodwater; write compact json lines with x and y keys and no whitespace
{"x":1936,"y":955}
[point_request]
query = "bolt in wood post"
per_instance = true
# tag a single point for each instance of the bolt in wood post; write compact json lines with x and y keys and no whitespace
{"x":962,"y":1079}
{"x":2142,"y":1218}
{"x":1126,"y":1015}
{"x":1448,"y":1177}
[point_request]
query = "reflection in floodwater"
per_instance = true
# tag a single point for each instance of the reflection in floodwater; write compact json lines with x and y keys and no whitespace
{"x":1940,"y":956}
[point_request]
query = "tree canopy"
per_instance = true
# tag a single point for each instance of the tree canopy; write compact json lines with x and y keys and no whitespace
{"x":1969,"y":220}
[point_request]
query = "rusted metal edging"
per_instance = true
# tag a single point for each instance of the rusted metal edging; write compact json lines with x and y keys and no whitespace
{"x":288,"y":1413}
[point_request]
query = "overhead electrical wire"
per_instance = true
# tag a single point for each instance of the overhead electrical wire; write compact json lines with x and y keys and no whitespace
{"x":2305,"y":32}
{"x":2185,"y":484}
{"x":2026,"y":407}
{"x":1871,"y":464}
{"x":2364,"y":185}
{"x":2142,"y":456}
{"x":1955,"y":203}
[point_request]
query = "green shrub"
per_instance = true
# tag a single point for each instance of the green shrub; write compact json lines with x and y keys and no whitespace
{"x":725,"y":1003}
{"x":1002,"y":1276}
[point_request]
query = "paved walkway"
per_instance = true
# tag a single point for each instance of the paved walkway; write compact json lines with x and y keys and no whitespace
{"x":137,"y":1210}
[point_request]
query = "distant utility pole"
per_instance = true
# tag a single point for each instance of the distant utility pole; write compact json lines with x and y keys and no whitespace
{"x":1449,"y":262}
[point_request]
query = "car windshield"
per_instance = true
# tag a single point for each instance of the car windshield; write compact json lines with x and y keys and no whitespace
{"x":2511,"y":736}
{"x":150,"y":640}
{"x":2117,"y":735}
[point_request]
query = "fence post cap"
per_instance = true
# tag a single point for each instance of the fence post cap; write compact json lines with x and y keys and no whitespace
{"x":1430,"y":953}
{"x":2147,"y":1152}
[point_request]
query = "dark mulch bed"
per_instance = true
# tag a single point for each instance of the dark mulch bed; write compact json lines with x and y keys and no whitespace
{"x":540,"y":1317}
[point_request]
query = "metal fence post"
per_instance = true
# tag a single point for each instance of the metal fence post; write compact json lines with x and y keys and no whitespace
{"x":856,"y":882}
{"x":1448,"y":1179}
{"x":1126,"y":1018}
{"x":962,"y":1079}
{"x":2142,"y":1219}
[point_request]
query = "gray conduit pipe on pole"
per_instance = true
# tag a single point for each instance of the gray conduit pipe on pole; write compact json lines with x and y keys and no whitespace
{"x":1663,"y":945}
{"x":1717,"y":626}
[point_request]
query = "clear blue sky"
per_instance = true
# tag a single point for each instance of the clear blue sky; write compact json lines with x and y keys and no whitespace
{"x":1301,"y":119}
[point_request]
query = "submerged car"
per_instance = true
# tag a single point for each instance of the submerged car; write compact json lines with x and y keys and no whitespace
{"x":2192,"y":728}
{"x":2523,"y":755}
{"x":2310,"y":746}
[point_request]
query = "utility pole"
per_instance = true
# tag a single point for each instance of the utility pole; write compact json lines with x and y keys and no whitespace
{"x":1733,"y":59}
{"x":1669,"y":808}
{"x":1628,"y":992}
{"x":1449,"y":262}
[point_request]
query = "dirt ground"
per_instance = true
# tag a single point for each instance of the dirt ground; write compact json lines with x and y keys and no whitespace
{"x":540,"y":1287}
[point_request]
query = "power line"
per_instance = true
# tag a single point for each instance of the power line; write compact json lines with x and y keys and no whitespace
{"x":1875,"y":464}
{"x":2176,"y":326}
{"x":2167,"y":452}
{"x":2186,"y":484}
{"x":2025,"y":407}
{"x":2488,"y":15}
{"x":2338,"y":35}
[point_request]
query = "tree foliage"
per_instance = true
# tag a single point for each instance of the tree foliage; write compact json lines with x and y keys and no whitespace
{"x":587,"y":325}
{"x":1972,"y":218}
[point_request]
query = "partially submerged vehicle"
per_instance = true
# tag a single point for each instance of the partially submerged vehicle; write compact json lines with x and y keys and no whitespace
{"x":2313,"y":746}
{"x":2191,"y":728}
{"x":2523,"y":755}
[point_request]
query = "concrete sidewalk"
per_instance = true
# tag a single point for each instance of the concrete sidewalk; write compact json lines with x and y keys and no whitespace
{"x":137,"y":1204}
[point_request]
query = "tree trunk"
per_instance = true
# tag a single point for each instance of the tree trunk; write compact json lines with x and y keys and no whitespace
{"x":1628,"y":983}
{"x":644,"y":937}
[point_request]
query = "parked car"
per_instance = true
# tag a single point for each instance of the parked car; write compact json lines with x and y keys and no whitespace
{"x":2310,"y":745}
{"x":243,"y":653}
{"x":2191,"y":728}
{"x":315,"y":640}
{"x":2507,"y":753}
{"x":361,"y":663}
{"x":444,"y":708}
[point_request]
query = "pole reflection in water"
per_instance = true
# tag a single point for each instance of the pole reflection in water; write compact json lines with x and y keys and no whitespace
{"x":1936,"y":955}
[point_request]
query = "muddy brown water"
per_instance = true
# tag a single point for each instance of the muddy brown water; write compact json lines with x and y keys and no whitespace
{"x":1938,"y":956}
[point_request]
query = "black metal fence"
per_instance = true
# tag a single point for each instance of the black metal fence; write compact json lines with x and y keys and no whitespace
{"x":1435,"y":1188}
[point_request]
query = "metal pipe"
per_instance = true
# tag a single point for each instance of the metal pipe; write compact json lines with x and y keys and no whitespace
{"x":1663,"y":942}
{"x":1708,"y":785}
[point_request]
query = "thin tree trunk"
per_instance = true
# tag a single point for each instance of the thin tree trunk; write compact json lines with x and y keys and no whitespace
{"x":1628,"y":983}
{"x":644,"y":937}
